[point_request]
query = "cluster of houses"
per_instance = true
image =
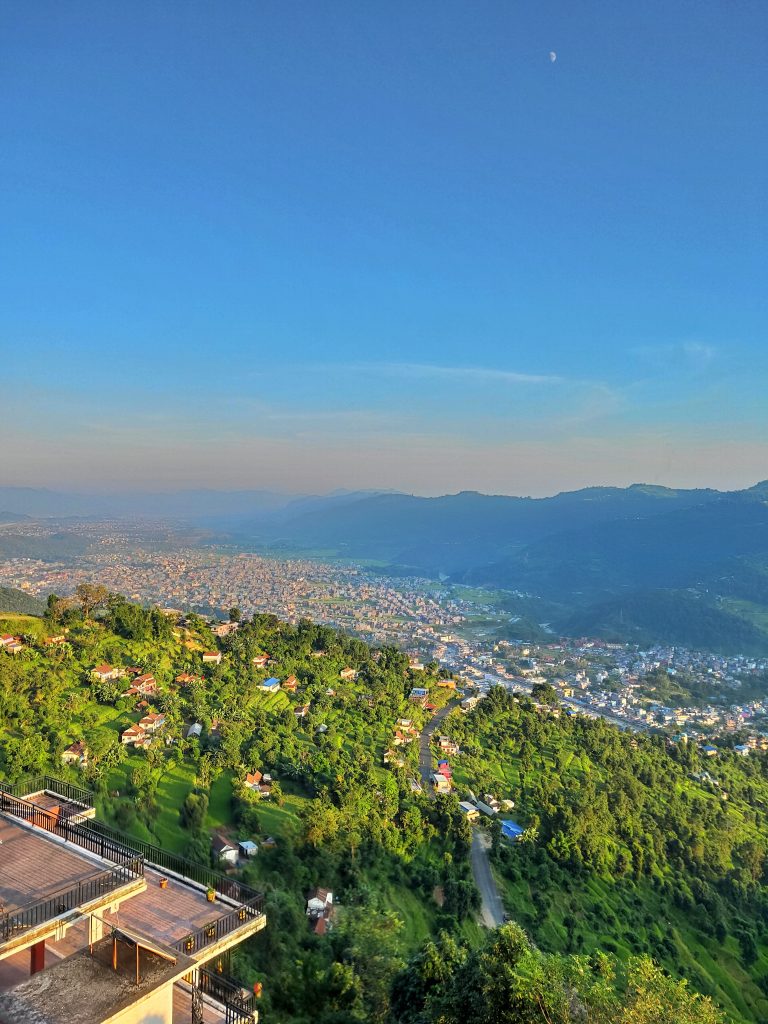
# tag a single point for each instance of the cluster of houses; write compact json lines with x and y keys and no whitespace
{"x":258,"y":783}
{"x":143,"y":684}
{"x":15,"y":645}
{"x":613,"y":682}
{"x":288,"y":685}
{"x":442,"y":779}
{"x":754,"y":742}
{"x":227,"y":853}
{"x":489,"y":805}
{"x":144,"y":731}
{"x":11,"y":644}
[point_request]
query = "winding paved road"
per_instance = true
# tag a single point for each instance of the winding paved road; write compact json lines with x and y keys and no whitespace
{"x":492,"y":909}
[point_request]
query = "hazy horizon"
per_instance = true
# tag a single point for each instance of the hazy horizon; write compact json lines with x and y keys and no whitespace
{"x":117,"y":493}
{"x":396,"y":249}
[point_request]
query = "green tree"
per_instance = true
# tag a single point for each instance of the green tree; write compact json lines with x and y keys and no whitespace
{"x":193,"y":811}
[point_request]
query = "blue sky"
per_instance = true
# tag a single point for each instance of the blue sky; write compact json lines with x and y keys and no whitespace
{"x":312,"y":245}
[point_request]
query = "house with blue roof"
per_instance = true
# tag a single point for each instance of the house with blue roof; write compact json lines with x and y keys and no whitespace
{"x":511,"y":830}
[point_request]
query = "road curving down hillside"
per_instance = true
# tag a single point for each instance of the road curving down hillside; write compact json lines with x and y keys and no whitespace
{"x":492,"y":909}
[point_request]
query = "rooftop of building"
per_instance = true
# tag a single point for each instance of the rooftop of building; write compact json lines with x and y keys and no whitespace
{"x":55,"y":996}
{"x":54,"y":865}
{"x":59,"y":871}
{"x":35,"y":865}
{"x":171,"y":913}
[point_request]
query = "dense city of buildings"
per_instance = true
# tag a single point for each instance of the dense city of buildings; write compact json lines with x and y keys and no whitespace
{"x":684,"y":692}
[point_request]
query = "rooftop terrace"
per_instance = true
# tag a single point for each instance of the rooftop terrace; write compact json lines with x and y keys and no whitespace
{"x":46,"y":879}
{"x":169,"y":914}
{"x":56,"y":995}
{"x":63,"y":878}
{"x":34,"y":867}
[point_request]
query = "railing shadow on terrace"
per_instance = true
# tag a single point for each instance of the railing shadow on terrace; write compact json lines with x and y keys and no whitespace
{"x":239,"y":1003}
{"x":219,"y":927}
{"x":49,"y":784}
{"x":31,"y":915}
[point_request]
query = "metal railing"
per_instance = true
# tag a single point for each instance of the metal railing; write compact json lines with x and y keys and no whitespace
{"x":49,"y":784}
{"x":249,"y":902}
{"x":230,"y":888}
{"x":132,"y":854}
{"x":238,"y":1002}
{"x":219,"y":927}
{"x":12,"y":922}
{"x":105,"y":847}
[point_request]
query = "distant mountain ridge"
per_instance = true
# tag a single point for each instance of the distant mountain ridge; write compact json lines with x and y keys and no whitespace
{"x":607,"y":559}
{"x":11,"y":517}
{"x":205,"y":506}
{"x":40,"y":502}
{"x":459,"y":532}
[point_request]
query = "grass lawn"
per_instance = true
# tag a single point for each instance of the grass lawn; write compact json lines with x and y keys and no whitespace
{"x":417,"y":913}
{"x":280,"y":821}
{"x":15,"y":622}
{"x":172,"y":790}
{"x":220,"y":802}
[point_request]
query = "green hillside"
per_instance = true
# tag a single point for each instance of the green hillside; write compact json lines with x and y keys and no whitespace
{"x":17,"y":602}
{"x":690,"y":619}
{"x":628,"y":854}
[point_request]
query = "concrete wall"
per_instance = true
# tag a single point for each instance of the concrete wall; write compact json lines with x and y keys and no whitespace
{"x":157,"y":1008}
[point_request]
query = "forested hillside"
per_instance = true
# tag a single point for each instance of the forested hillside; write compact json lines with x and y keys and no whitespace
{"x":12,"y":600}
{"x":626,"y":852}
{"x":337,"y":817}
{"x":637,"y":846}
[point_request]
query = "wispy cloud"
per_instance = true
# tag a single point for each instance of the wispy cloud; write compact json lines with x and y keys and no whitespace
{"x":466,"y":373}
